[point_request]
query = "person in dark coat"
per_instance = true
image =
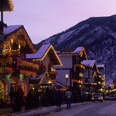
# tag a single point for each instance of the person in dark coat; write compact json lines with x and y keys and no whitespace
{"x":29,"y":103}
{"x":18,"y":99}
{"x":36,"y":98}
{"x":12,"y":97}
{"x":58,"y":99}
{"x":68,"y":95}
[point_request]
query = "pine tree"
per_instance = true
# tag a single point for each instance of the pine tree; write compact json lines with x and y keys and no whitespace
{"x":5,"y":5}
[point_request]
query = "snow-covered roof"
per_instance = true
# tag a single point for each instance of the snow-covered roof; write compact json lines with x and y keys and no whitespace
{"x":8,"y":30}
{"x":59,"y":84}
{"x":89,"y":63}
{"x":78,"y":50}
{"x":100,"y":65}
{"x":40,"y":53}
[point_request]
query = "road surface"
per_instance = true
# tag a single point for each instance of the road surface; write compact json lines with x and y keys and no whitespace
{"x":106,"y":108}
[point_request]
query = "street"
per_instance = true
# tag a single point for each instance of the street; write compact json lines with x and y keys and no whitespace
{"x":107,"y":108}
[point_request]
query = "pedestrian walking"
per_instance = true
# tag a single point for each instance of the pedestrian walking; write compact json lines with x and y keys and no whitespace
{"x":68,"y":95}
{"x":19,"y":99}
{"x":29,"y":103}
{"x":36,"y":98}
{"x":12,"y":97}
{"x":58,"y":99}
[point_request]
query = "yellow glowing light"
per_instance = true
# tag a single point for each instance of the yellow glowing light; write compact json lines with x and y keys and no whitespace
{"x":66,"y":76}
{"x":99,"y":82}
{"x":81,"y":74}
{"x":11,"y":41}
{"x":49,"y":82}
{"x":51,"y":47}
{"x":19,"y":46}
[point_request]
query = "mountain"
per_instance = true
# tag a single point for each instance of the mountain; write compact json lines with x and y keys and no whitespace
{"x":97,"y":35}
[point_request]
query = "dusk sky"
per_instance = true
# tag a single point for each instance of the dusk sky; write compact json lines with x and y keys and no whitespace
{"x":44,"y":18}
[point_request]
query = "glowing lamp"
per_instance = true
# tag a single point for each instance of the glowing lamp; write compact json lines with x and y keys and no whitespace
{"x":66,"y":76}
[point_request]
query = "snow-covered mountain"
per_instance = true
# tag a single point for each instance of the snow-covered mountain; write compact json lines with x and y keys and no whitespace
{"x":97,"y":35}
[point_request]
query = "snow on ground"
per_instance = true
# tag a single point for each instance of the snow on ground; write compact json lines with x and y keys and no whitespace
{"x":73,"y":111}
{"x":111,"y":110}
{"x":51,"y":109}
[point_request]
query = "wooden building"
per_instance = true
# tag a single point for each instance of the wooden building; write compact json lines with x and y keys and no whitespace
{"x":46,"y":57}
{"x":71,"y":72}
{"x":90,"y":77}
{"x":15,"y":69}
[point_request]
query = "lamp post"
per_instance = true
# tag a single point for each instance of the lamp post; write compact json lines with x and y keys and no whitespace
{"x":81,"y":75}
{"x":67,"y":76}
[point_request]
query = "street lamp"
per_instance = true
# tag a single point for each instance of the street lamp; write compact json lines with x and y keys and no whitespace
{"x":66,"y":76}
{"x":81,"y":75}
{"x":99,"y":82}
{"x":49,"y":82}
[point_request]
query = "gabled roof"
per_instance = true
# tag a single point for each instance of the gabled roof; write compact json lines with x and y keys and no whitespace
{"x":78,"y":51}
{"x":42,"y":53}
{"x":17,"y":30}
{"x":59,"y":84}
{"x":101,"y":66}
{"x":89,"y":63}
{"x":8,"y":30}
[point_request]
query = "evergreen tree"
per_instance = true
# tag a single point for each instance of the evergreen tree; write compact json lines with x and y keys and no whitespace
{"x":5,"y":5}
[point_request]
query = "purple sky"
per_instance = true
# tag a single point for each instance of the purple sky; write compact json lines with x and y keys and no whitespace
{"x":44,"y":18}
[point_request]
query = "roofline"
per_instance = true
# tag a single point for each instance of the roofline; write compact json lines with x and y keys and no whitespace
{"x":46,"y":52}
{"x":22,"y":27}
{"x":33,"y":47}
{"x":71,"y":53}
{"x":56,"y":55}
{"x":93,"y":66}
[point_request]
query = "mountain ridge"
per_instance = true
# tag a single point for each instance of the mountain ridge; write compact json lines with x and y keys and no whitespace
{"x":97,"y":35}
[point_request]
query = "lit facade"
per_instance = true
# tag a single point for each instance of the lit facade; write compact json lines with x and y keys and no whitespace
{"x":15,"y":69}
{"x":47,"y":58}
{"x":73,"y":67}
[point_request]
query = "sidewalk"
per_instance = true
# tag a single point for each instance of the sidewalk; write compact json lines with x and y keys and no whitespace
{"x":5,"y":111}
{"x":38,"y":111}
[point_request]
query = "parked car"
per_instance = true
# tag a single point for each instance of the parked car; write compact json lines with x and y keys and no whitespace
{"x":97,"y":97}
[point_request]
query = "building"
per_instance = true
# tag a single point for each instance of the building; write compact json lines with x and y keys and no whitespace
{"x":15,"y":69}
{"x":101,"y":68}
{"x":71,"y":72}
{"x":90,"y":76}
{"x":46,"y":57}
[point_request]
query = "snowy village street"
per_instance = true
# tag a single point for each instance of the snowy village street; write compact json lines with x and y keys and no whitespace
{"x":58,"y":58}
{"x":107,"y":108}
